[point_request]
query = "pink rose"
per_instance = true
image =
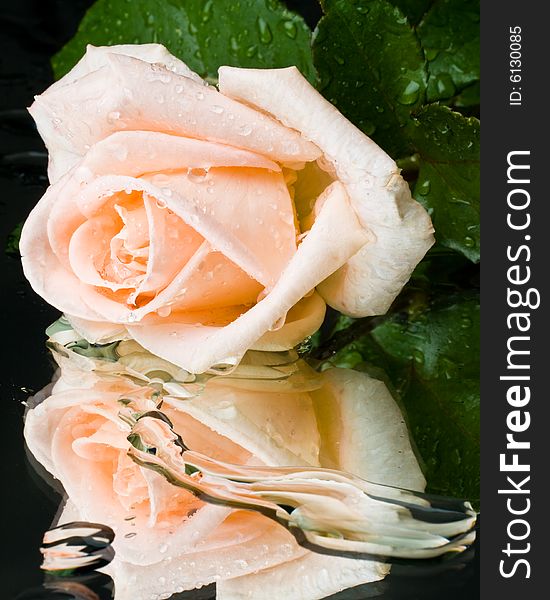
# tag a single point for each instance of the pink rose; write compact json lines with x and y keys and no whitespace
{"x":202,"y":223}
{"x":166,"y":539}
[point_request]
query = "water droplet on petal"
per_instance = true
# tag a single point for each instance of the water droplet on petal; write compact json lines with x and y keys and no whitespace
{"x":245,"y":130}
{"x":164,"y":311}
{"x":197,"y":175}
{"x":120,"y":152}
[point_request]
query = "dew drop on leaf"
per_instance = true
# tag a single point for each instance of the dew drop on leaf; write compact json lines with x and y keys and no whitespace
{"x":234,"y":44}
{"x":264,"y":31}
{"x":410,"y":93}
{"x":251,"y":51}
{"x":207,"y":11}
{"x":290,"y":29}
{"x":424,"y":188}
{"x":445,"y":86}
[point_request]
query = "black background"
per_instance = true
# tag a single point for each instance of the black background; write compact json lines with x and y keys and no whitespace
{"x":32,"y":30}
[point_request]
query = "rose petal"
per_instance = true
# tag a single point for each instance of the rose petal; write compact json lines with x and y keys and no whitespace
{"x":303,"y":319}
{"x":335,"y":236}
{"x":370,"y":280}
{"x":127,"y":93}
{"x":87,"y":475}
{"x":247,"y":555}
{"x":97,"y":57}
{"x":135,"y":153}
{"x":244,"y":543}
{"x":94,"y":59}
{"x":363,"y":430}
{"x":309,"y":577}
{"x":277,"y":428}
{"x":90,"y":248}
{"x":97,"y":332}
{"x":171,"y":244}
{"x":97,"y":194}
{"x":42,"y":268}
{"x":215,"y":282}
{"x":246,"y":201}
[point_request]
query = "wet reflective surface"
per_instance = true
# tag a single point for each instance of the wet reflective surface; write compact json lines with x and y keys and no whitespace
{"x":33,"y":31}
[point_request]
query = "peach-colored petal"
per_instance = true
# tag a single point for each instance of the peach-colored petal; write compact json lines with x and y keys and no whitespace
{"x":303,"y":319}
{"x":171,"y":243}
{"x":278,"y":428}
{"x":97,"y":57}
{"x":243,"y":543}
{"x":97,"y":193}
{"x":89,"y":249}
{"x":247,"y":555}
{"x":135,"y":153}
{"x":63,"y":219}
{"x":47,"y":276}
{"x":67,"y":433}
{"x":128,"y":93}
{"x":401,"y":228}
{"x":335,"y":236}
{"x":246,"y":201}
{"x":215,"y":282}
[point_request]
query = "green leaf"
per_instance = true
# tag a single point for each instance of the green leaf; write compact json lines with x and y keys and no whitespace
{"x":205,"y":35}
{"x":12,"y":243}
{"x":468,"y":97}
{"x":448,"y":181}
{"x":449,"y":34}
{"x":431,"y":355}
{"x":372,"y":68}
